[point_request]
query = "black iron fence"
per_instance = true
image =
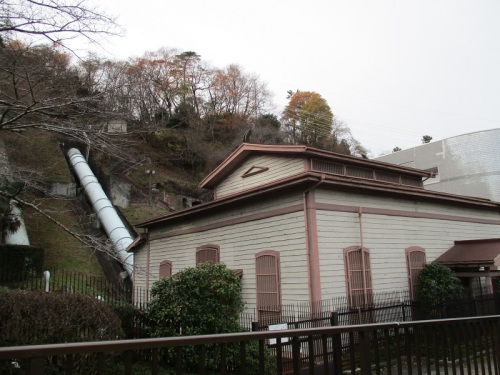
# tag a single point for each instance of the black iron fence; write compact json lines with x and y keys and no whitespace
{"x":62,"y":281}
{"x":385,"y":307}
{"x":450,"y":346}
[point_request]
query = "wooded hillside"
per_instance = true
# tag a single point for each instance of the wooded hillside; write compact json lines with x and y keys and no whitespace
{"x":168,"y":111}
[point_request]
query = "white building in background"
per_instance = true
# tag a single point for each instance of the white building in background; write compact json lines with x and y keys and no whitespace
{"x":467,"y":164}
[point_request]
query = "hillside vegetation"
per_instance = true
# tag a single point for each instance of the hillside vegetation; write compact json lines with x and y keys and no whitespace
{"x":168,"y":111}
{"x":45,"y":163}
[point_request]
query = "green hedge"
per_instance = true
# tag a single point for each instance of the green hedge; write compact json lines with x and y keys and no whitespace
{"x":30,"y":318}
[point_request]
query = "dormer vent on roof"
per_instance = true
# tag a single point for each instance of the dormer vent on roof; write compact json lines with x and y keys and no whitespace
{"x":342,"y":169}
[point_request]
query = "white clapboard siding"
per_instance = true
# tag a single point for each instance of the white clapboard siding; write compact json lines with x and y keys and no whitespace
{"x":238,"y":245}
{"x":257,"y":206}
{"x":277,"y":168}
{"x":140,"y":259}
{"x":373,"y":201}
{"x":387,"y":237}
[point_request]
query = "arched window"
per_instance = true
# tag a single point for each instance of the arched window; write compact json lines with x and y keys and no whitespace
{"x":165,"y":269}
{"x":358,"y":276}
{"x":268,"y":283}
{"x":415,"y":262}
{"x":207,"y":253}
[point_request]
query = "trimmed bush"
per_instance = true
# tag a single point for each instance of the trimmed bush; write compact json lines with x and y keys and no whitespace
{"x":202,"y":300}
{"x":28,"y":318}
{"x":198,"y":301}
{"x":438,"y":285}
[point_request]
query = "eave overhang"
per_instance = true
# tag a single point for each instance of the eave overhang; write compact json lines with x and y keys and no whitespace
{"x":245,"y":150}
{"x":307,"y":180}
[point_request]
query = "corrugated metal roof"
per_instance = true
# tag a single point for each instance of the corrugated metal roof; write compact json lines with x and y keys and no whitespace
{"x":485,"y":252}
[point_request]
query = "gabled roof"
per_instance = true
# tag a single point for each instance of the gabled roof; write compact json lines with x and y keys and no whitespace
{"x":245,"y":150}
{"x":308,"y":179}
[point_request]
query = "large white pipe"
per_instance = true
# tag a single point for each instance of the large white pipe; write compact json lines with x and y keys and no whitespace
{"x":14,"y":232}
{"x":113,"y":225}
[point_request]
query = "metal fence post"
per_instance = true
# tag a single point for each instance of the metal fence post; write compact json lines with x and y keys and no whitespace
{"x":36,"y":366}
{"x":296,"y":355}
{"x":336,"y":345}
{"x":364,"y":352}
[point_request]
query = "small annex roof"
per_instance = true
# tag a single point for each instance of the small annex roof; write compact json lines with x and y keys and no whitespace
{"x":245,"y":150}
{"x":483,"y":252}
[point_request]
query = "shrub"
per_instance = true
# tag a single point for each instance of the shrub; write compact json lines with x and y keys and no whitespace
{"x":438,"y":285}
{"x":132,"y":320}
{"x":202,"y":300}
{"x":28,"y":318}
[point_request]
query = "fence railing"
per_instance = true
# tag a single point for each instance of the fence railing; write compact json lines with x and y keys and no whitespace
{"x":450,"y":346}
{"x":68,"y":281}
{"x":386,"y":307}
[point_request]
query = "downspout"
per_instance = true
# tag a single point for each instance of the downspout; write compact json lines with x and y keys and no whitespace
{"x":312,"y":250}
{"x":113,"y":225}
{"x":363,"y":265}
{"x":360,"y":215}
{"x":147,"y":265}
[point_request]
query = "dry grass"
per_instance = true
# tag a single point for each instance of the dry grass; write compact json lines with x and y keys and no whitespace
{"x":62,"y":251}
{"x":39,"y":151}
{"x":136,"y":212}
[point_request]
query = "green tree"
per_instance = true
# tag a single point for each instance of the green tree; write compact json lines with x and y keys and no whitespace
{"x":265,"y":129}
{"x":438,"y":285}
{"x":202,"y":300}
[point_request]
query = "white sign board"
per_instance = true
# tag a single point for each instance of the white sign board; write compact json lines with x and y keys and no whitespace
{"x":278,"y":327}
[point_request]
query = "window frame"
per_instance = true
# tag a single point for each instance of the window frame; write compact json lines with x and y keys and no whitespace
{"x":205,"y":250}
{"x":365,"y":273}
{"x":165,"y":264}
{"x":260,"y":274}
{"x":411,"y":269}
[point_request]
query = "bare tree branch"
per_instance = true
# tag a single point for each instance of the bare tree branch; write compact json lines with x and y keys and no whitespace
{"x":55,"y":20}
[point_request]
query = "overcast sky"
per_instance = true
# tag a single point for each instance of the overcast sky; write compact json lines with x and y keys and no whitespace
{"x":392,"y":70}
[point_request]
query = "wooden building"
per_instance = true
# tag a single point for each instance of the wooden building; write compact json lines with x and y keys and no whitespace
{"x":302,"y":224}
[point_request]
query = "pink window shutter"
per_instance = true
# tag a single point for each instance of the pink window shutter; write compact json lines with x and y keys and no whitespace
{"x":268,"y":281}
{"x":165,"y":269}
{"x":415,"y":262}
{"x":358,"y":276}
{"x":207,"y":253}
